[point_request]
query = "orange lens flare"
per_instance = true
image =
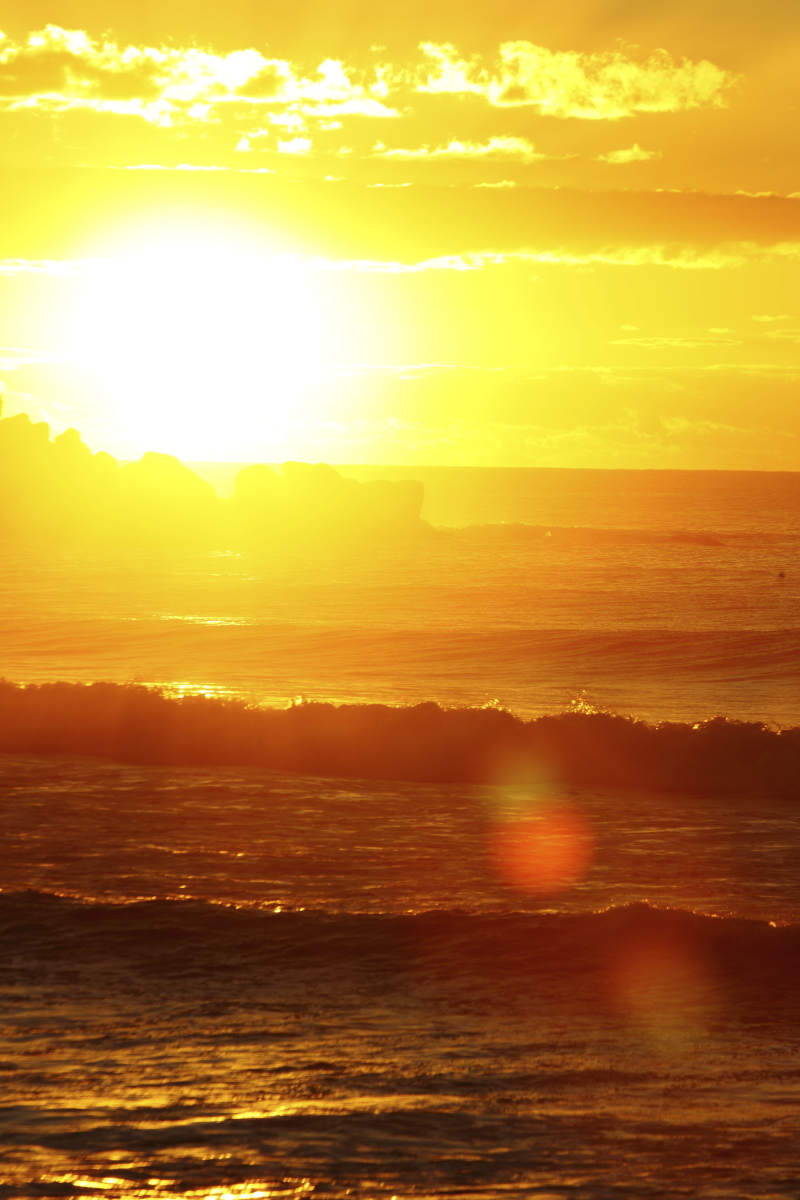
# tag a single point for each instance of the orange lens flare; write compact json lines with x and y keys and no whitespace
{"x":662,"y":982}
{"x":543,"y":852}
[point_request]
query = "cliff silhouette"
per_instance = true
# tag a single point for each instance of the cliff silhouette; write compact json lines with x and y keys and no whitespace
{"x":57,"y":490}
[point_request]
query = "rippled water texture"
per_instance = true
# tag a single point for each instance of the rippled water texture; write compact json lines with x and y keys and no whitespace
{"x":100,"y":831}
{"x":384,"y":1011}
{"x":153,"y":1052}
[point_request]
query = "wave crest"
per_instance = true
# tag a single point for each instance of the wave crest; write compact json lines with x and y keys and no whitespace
{"x":424,"y":742}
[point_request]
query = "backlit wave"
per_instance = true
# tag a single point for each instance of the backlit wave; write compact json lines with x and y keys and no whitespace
{"x":425,"y":742}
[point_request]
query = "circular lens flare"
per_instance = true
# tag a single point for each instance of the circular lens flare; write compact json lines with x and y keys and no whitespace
{"x":662,"y":982}
{"x":543,"y":852}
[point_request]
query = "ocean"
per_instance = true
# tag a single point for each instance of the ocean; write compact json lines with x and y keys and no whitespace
{"x":399,"y":966}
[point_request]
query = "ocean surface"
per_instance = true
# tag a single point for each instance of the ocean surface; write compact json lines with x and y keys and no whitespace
{"x":228,"y":981}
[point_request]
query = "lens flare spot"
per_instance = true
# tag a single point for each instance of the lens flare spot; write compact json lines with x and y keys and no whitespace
{"x":663,"y":983}
{"x":544,"y":851}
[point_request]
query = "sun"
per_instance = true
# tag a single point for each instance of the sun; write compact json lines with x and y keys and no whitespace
{"x":202,"y":341}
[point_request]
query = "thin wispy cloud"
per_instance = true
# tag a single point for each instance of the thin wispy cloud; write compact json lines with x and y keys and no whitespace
{"x":501,"y":148}
{"x":676,"y":257}
{"x":624,"y":439}
{"x":14,"y":357}
{"x":688,"y":343}
{"x":788,"y":335}
{"x":198,"y":167}
{"x":634,"y":153}
{"x":46,"y":266}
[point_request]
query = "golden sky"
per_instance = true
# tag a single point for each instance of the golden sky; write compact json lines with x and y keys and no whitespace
{"x":507,"y":234}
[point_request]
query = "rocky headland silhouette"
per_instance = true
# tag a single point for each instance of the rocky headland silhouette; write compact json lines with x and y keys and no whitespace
{"x":57,"y":490}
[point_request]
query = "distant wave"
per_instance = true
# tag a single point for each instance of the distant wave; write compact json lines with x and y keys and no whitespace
{"x":520,"y":532}
{"x":192,"y":937}
{"x":422,"y":742}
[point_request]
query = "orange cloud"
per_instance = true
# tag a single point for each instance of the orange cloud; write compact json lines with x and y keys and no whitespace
{"x":58,"y":69}
{"x":496,"y":148}
{"x":634,"y":154}
{"x":570,"y":84}
{"x":658,"y":343}
{"x":679,"y":257}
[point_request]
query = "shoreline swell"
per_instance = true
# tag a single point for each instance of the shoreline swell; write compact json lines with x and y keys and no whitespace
{"x":416,"y":743}
{"x":744,"y":960}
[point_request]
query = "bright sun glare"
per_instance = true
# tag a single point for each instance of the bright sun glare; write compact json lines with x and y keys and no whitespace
{"x":202,"y":341}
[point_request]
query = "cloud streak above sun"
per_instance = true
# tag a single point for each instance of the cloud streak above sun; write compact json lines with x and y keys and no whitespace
{"x":56,"y":69}
{"x":589,"y":87}
{"x":65,"y":69}
{"x":634,"y":153}
{"x":500,"y":149}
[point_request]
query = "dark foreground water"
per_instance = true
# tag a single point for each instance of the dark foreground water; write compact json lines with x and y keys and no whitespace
{"x":242,"y":983}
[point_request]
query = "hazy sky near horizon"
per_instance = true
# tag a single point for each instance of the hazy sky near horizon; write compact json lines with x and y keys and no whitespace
{"x":508,"y":234}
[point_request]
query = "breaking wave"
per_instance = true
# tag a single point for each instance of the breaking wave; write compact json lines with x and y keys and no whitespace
{"x":422,"y":742}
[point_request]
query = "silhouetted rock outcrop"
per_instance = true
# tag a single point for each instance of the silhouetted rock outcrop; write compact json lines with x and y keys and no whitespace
{"x":319,"y":499}
{"x":58,"y":490}
{"x":51,"y":490}
{"x":314,"y":500}
{"x":159,"y":499}
{"x":256,"y":505}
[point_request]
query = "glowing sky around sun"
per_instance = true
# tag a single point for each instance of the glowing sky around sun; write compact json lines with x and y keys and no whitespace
{"x":519,"y":234}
